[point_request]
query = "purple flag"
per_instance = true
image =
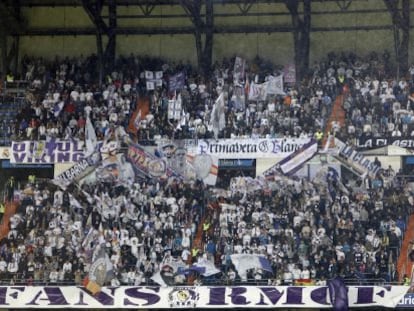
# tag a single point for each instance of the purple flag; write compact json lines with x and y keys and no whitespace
{"x":177,"y":82}
{"x":338,"y":292}
{"x":265,"y":264}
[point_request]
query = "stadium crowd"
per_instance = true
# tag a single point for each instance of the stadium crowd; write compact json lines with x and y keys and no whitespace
{"x":63,"y":91}
{"x":308,"y":230}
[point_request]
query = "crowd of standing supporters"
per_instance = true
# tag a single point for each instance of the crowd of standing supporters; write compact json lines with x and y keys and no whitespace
{"x":307,"y":229}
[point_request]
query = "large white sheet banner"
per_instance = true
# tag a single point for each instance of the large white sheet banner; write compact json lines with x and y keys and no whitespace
{"x":275,"y":85}
{"x":247,"y":148}
{"x":25,"y":297}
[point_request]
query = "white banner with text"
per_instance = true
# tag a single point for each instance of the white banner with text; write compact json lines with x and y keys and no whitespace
{"x":217,"y":297}
{"x":246,"y":148}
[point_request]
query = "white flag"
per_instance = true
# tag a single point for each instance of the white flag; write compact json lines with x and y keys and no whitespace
{"x":158,"y":75}
{"x":275,"y":85}
{"x":90,"y":137}
{"x":153,"y":79}
{"x":175,"y":108}
{"x":150,"y":85}
{"x":205,"y":167}
{"x":218,"y":121}
{"x":245,"y":262}
{"x":158,"y":82}
{"x":210,"y":268}
{"x":149,"y":75}
{"x":238,"y":71}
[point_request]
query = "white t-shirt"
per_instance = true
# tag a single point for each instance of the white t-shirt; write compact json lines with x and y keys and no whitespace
{"x":127,"y":87}
{"x":296,"y":273}
{"x":54,"y":276}
{"x":305,"y":274}
{"x":12,"y":267}
{"x":287,"y":277}
{"x":185,"y":254}
{"x":67,"y":267}
{"x":74,"y":95}
{"x":56,"y":97}
{"x":185,"y":241}
{"x":47,"y":251}
{"x":89,"y":96}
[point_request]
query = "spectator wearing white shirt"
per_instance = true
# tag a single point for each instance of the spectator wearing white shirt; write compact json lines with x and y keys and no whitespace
{"x":54,"y":276}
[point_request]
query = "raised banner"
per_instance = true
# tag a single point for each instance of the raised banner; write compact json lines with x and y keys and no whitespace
{"x":377,"y":142}
{"x":289,"y":73}
{"x":54,"y":151}
{"x":247,"y":148}
{"x":275,"y":85}
{"x":146,"y":163}
{"x":293,"y":162}
{"x":177,"y":82}
{"x":215,"y":297}
{"x":355,"y":160}
{"x":78,"y":171}
{"x":205,"y":167}
{"x":153,"y":79}
{"x":238,"y":70}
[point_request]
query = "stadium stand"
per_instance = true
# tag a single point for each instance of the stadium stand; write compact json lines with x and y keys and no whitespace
{"x":164,"y":231}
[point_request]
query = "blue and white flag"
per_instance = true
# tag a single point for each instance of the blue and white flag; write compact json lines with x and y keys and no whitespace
{"x":190,"y":270}
{"x":58,"y":108}
{"x":208,"y":267}
{"x":177,"y":82}
{"x":245,"y":262}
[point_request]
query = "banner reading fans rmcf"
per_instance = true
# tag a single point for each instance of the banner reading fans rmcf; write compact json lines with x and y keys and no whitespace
{"x":215,"y":297}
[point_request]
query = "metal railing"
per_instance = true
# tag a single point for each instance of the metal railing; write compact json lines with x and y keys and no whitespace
{"x":17,"y":88}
